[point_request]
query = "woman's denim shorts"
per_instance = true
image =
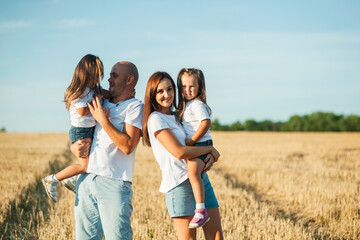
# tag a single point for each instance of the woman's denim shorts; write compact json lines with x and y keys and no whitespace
{"x":180,"y":200}
{"x":76,"y":133}
{"x":206,"y":143}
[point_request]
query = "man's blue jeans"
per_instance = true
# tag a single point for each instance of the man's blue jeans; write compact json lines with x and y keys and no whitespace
{"x":102,"y":206}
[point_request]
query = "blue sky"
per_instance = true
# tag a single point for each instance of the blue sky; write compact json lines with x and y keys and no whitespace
{"x":261,"y":59}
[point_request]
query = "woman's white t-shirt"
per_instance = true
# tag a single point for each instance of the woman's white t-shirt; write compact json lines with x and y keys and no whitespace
{"x":174,"y":170}
{"x":195,"y":112}
{"x":76,"y":119}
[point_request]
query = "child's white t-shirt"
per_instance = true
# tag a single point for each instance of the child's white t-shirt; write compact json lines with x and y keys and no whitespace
{"x":76,"y":119}
{"x":195,"y":112}
{"x":105,"y":158}
{"x":174,"y":170}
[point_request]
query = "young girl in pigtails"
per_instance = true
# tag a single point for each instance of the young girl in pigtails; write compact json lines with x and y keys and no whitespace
{"x":194,"y":115}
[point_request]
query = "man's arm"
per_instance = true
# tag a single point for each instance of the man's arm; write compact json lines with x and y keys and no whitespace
{"x":126,"y":141}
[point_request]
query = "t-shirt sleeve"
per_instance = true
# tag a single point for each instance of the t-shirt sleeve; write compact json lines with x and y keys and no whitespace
{"x":134,"y":115}
{"x":156,"y":123}
{"x":199,"y":111}
{"x":82,"y":102}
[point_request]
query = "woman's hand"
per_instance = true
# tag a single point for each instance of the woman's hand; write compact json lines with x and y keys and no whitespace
{"x":189,"y":142}
{"x":209,"y":161}
{"x":97,"y":111}
{"x":80,"y":148}
{"x":215,"y":153}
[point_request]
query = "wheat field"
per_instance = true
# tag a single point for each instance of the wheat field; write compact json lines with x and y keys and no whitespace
{"x":269,"y":186}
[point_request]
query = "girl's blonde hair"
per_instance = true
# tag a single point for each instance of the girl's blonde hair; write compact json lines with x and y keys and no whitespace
{"x":150,"y":103}
{"x":199,"y":76}
{"x":88,"y":72}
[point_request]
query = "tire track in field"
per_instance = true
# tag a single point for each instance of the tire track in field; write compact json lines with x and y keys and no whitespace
{"x":296,"y":218}
{"x":31,"y":208}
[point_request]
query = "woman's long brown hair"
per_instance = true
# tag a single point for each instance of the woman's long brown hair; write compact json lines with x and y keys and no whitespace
{"x":88,"y":72}
{"x":150,"y":103}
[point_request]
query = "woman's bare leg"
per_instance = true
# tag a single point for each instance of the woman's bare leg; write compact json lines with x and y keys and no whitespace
{"x":213,"y":230}
{"x":183,"y":231}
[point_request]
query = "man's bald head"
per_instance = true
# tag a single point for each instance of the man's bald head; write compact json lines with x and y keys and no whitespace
{"x":131,"y":69}
{"x":122,"y":81}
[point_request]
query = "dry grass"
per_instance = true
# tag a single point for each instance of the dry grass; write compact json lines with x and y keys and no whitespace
{"x":24,"y":159}
{"x":269,"y":186}
{"x":306,"y":183}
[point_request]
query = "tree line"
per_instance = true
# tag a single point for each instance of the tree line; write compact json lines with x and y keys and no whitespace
{"x":314,"y":122}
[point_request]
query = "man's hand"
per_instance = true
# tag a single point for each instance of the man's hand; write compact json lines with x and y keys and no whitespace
{"x":81,"y":148}
{"x":97,"y":111}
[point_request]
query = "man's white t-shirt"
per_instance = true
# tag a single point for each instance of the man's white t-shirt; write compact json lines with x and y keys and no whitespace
{"x":75,"y":118}
{"x":174,"y":170}
{"x":195,"y":112}
{"x":105,"y":158}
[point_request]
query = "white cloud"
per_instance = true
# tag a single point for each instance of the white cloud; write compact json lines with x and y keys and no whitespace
{"x":74,"y":23}
{"x":15,"y":24}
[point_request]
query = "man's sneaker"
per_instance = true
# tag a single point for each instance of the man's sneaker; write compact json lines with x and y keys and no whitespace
{"x":200,"y":218}
{"x":70,"y":183}
{"x":50,"y":187}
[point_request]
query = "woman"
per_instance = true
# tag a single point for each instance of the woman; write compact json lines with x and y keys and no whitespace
{"x":167,"y":138}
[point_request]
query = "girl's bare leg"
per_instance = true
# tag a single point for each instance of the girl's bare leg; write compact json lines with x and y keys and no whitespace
{"x":183,"y":231}
{"x":74,"y":169}
{"x":195,"y":167}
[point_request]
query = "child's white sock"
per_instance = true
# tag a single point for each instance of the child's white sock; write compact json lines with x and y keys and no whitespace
{"x":55,"y":179}
{"x":200,"y":205}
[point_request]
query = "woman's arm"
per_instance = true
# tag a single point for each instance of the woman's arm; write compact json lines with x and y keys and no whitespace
{"x":168,"y":139}
{"x":200,"y":132}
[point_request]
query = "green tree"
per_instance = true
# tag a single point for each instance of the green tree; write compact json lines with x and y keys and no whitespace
{"x":317,"y":121}
{"x":215,"y":125}
{"x":265,"y":125}
{"x":350,"y":123}
{"x":295,"y":123}
{"x":237,"y":126}
{"x":250,"y":125}
{"x":333,"y":122}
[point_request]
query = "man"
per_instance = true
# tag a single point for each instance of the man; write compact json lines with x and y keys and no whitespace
{"x":103,"y":202}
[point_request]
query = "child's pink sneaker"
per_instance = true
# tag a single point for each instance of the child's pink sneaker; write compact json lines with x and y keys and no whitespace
{"x":200,"y":218}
